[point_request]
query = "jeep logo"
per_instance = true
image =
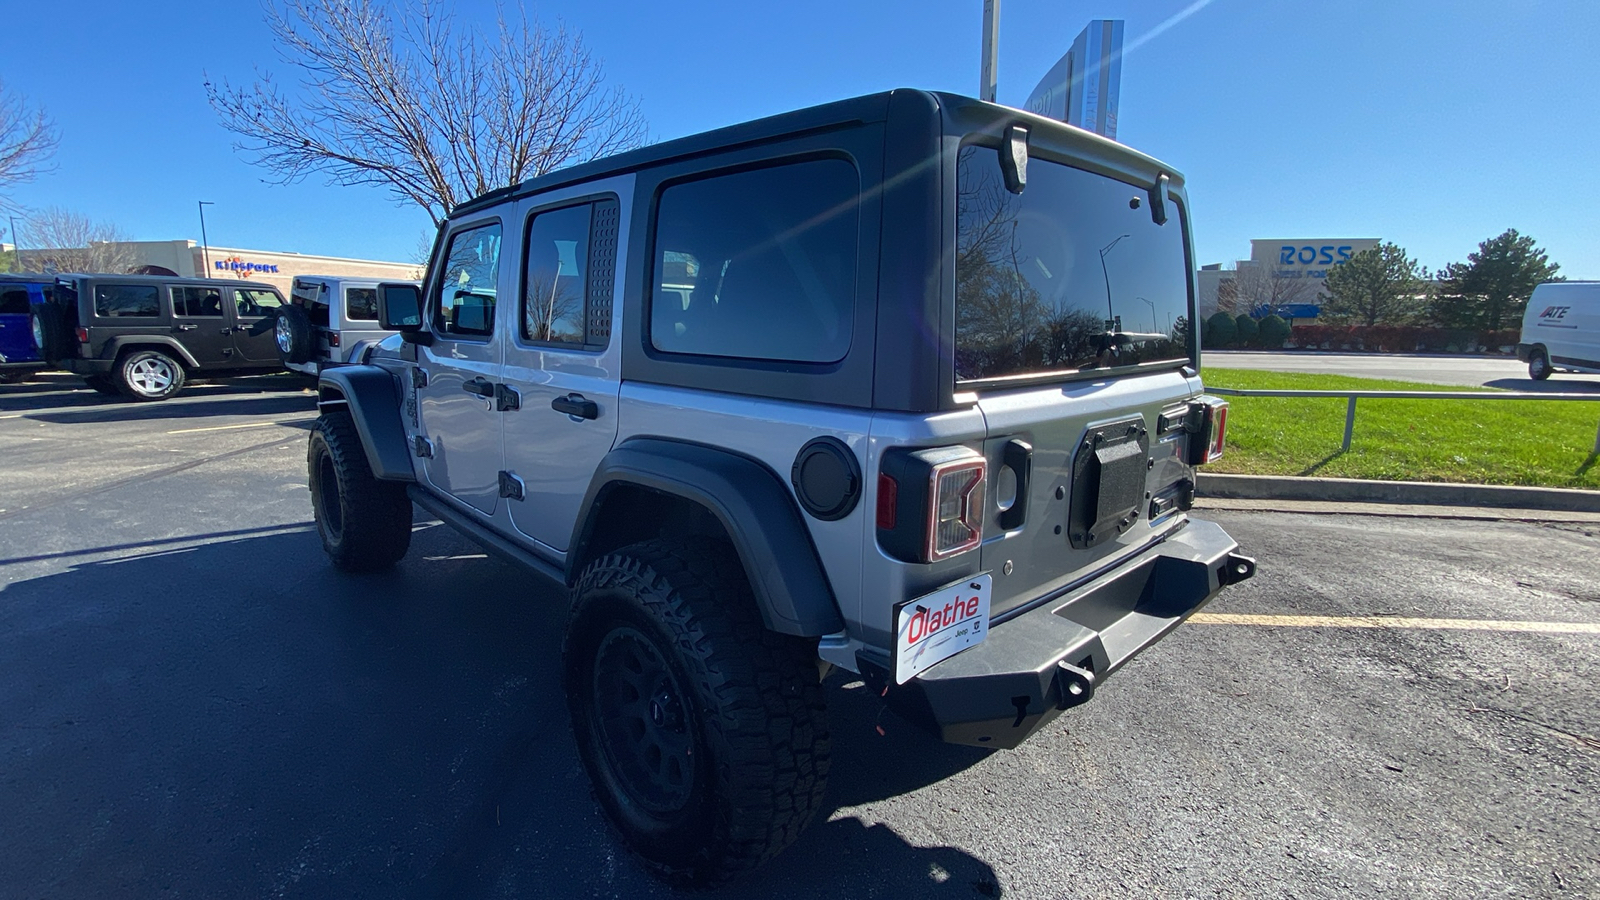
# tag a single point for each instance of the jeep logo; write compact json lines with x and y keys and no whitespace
{"x":1554,"y":312}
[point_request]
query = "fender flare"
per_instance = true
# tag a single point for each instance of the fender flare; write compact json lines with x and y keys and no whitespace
{"x":123,"y":341}
{"x":753,"y":506}
{"x":373,"y":397}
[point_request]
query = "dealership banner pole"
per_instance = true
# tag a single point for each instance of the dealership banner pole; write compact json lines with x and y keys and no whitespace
{"x":205,"y":245}
{"x":16,"y":244}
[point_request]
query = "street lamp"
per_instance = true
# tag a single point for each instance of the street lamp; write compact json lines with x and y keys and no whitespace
{"x":1154,"y":325}
{"x":1110,"y":313}
{"x":16,"y":245}
{"x":205,"y":245}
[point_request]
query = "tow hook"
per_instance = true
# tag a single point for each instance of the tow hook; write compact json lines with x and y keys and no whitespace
{"x":1076,"y":685}
{"x":1236,"y":569}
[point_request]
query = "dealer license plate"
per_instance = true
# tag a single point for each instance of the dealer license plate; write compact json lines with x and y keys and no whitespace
{"x":939,"y":625}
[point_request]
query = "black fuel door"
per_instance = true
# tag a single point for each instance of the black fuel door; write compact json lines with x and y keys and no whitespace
{"x":1108,"y":481}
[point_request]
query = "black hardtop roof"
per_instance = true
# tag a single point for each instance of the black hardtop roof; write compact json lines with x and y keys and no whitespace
{"x":857,"y":110}
{"x":837,"y":114}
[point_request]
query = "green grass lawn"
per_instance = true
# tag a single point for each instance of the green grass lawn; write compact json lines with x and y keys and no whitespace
{"x":1531,"y":442}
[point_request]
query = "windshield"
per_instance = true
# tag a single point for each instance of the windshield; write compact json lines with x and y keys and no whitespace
{"x":1072,"y":274}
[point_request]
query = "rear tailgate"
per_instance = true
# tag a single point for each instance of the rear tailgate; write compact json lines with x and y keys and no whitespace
{"x":1053,"y":482}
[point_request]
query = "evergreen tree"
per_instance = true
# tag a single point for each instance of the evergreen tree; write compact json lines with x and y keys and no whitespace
{"x":1380,"y":286}
{"x":1490,"y":290}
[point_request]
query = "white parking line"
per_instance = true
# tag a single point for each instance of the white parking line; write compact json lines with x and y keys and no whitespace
{"x":14,"y":416}
{"x":1395,"y":622}
{"x":243,"y":425}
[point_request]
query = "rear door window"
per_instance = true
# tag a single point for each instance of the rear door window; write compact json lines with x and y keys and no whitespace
{"x":759,"y":264}
{"x":197,"y":302}
{"x":14,"y":302}
{"x":123,"y":301}
{"x":255,"y":302}
{"x":1072,"y":274}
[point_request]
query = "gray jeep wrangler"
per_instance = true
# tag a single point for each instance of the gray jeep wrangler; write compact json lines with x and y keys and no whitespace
{"x":905,"y":384}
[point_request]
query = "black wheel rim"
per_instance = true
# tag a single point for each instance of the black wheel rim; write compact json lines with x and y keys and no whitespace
{"x":328,"y":494}
{"x":643,"y":721}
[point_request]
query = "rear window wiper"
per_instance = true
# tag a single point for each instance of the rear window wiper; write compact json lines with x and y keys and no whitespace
{"x":1112,"y":339}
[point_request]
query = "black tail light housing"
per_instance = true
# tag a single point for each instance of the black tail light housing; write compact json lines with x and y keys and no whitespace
{"x":930,"y":503}
{"x":1207,"y":427}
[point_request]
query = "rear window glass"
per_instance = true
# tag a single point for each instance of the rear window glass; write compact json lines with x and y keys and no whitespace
{"x":127,"y":301}
{"x":361,"y":304}
{"x":758,"y":264}
{"x":1072,"y":274}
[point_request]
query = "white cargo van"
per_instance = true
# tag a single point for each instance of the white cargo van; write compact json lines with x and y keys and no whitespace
{"x":1561,"y":329}
{"x":329,"y":321}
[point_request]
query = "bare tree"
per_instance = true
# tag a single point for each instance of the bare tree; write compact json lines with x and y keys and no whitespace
{"x":64,"y":241}
{"x":435,"y":115}
{"x":1260,"y":286}
{"x":27,"y":141}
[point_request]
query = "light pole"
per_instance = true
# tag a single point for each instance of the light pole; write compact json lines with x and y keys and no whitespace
{"x":16,"y":245}
{"x":1111,"y":314}
{"x":205,"y":245}
{"x":991,"y":51}
{"x":1154,"y":325}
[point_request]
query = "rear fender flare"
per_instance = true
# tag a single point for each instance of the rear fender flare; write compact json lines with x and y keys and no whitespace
{"x":373,"y":397}
{"x":755,"y":510}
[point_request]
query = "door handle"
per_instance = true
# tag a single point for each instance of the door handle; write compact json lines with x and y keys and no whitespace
{"x":479,"y":387}
{"x":576,"y":405}
{"x":187,"y":326}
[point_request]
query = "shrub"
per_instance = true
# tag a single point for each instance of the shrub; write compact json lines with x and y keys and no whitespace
{"x":1220,"y":330}
{"x":1248,"y":330}
{"x":1274,"y":332}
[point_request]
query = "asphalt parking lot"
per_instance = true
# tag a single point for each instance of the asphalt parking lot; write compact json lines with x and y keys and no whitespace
{"x":194,"y":704}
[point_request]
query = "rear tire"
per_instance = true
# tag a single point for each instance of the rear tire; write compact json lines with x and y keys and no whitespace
{"x":292,"y":333}
{"x":1539,"y":367}
{"x":365,"y":523}
{"x":149,"y":375}
{"x":704,"y":734}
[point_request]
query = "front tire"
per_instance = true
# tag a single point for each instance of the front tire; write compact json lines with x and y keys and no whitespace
{"x":365,"y":523}
{"x":1539,"y":367}
{"x":149,"y":375}
{"x":705,"y":735}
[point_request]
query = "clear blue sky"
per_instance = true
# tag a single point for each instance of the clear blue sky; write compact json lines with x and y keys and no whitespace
{"x":1431,"y":123}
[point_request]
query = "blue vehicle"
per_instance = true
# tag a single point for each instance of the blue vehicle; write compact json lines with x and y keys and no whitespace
{"x":19,"y":349}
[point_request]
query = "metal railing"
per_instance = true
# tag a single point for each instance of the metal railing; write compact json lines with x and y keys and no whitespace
{"x":1353,"y":396}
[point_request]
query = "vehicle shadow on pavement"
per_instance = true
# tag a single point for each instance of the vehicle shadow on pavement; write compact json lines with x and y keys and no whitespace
{"x":179,"y":410}
{"x":1556,"y":385}
{"x":237,"y":718}
{"x":71,"y":393}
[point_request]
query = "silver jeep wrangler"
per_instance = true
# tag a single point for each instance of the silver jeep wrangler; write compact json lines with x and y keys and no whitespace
{"x":905,"y":384}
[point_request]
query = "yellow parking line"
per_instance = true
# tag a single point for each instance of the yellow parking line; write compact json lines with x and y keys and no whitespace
{"x":1395,"y":622}
{"x":244,"y":425}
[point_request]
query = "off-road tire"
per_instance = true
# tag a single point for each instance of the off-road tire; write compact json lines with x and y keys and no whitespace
{"x":1539,"y":367}
{"x":365,"y":524}
{"x":292,"y":334}
{"x":751,"y":709}
{"x":102,"y":384}
{"x":13,"y":376}
{"x":148,"y":375}
{"x":48,"y":331}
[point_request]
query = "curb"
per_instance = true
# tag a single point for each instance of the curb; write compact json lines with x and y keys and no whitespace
{"x":1350,"y":490}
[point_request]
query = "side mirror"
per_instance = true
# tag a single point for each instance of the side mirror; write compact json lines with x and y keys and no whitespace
{"x":400,"y":307}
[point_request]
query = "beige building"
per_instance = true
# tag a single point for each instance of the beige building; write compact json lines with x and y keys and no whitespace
{"x":1285,"y":275}
{"x":191,"y":260}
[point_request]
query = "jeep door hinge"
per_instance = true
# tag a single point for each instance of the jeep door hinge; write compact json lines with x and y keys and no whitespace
{"x":423,"y":447}
{"x":506,"y":398}
{"x":419,"y":377}
{"x":510,"y":486}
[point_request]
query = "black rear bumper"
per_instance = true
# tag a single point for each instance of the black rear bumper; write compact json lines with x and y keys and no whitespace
{"x":1034,"y":666}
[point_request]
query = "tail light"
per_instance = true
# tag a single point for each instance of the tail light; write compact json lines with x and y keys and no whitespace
{"x":333,"y":339}
{"x":931,"y":503}
{"x":1208,"y":430}
{"x":83,"y":335}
